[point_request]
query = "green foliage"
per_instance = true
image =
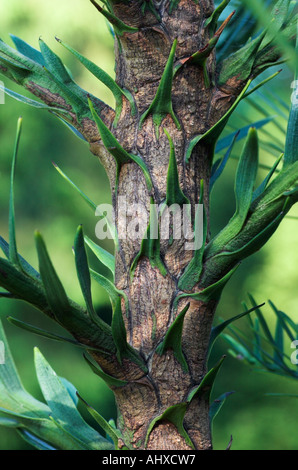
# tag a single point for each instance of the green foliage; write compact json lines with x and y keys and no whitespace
{"x":57,"y":425}
{"x":119,"y":27}
{"x":105,"y":78}
{"x":262,"y":349}
{"x":244,"y":186}
{"x":192,"y":273}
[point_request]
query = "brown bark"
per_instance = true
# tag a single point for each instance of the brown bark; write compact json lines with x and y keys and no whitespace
{"x":140,"y":65}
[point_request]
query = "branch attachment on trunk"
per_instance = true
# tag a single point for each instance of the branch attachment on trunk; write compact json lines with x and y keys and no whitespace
{"x":161,"y":106}
{"x":120,"y":155}
{"x":119,"y":27}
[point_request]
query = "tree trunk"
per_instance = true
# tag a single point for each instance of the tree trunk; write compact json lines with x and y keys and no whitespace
{"x":172,"y":103}
{"x":140,"y":65}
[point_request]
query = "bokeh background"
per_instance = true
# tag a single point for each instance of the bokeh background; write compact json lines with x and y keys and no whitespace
{"x":45,"y":202}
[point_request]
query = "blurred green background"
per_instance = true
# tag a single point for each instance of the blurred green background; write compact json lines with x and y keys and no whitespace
{"x":45,"y":202}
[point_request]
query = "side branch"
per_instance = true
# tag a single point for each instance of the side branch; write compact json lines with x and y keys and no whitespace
{"x":44,"y":75}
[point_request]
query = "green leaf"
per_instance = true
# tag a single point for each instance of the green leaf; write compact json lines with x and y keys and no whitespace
{"x":211,"y":136}
{"x":119,"y":332}
{"x":161,"y":105}
{"x":18,"y":70}
{"x":212,"y":21}
{"x":28,"y":50}
{"x":120,"y":155}
{"x":22,"y":286}
{"x":173,"y":4}
{"x":216,"y":172}
{"x":26,"y":267}
{"x":260,"y":189}
{"x":102,"y":255}
{"x":255,"y":243}
{"x":174,"y":194}
{"x":240,"y":63}
{"x":30,"y":102}
{"x":212,"y":292}
{"x":173,"y":339}
{"x":192,"y":273}
{"x":124,"y":350}
{"x":83,"y":195}
{"x":72,"y":391}
{"x":112,"y":382}
{"x":245,"y":179}
{"x":217,"y":330}
{"x":204,"y":389}
{"x":90,"y":203}
{"x":286,"y":321}
{"x":83,"y":273}
{"x":71,"y":128}
{"x":244,"y":186}
{"x":119,"y":27}
{"x":54,"y":64}
{"x":217,"y":405}
{"x":114,"y":435}
{"x":13,"y":253}
{"x":13,"y":396}
{"x":35,"y":441}
{"x":175,"y":415}
{"x":63,"y":408}
{"x":55,"y":292}
{"x":226,"y":141}
{"x":9,"y":423}
{"x":279,"y":342}
{"x":105,"y":78}
{"x":241,"y":350}
{"x":150,"y":247}
{"x":149,"y":5}
{"x":110,"y":288}
{"x":43,"y":333}
{"x":292,"y":131}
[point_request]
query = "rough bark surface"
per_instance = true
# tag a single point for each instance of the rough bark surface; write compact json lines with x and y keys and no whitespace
{"x":141,"y":58}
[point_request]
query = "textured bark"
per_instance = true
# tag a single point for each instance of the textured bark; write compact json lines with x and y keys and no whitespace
{"x":140,"y":65}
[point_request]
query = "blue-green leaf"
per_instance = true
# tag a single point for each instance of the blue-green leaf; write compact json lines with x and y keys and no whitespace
{"x":83,"y":273}
{"x":114,"y":434}
{"x":204,"y":389}
{"x":13,"y":253}
{"x":216,"y":406}
{"x":55,"y":292}
{"x":63,"y":408}
{"x":108,"y":379}
{"x":217,"y":330}
{"x":28,"y":50}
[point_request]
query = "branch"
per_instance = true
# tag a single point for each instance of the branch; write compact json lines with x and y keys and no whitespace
{"x":44,"y":75}
{"x":260,"y":53}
